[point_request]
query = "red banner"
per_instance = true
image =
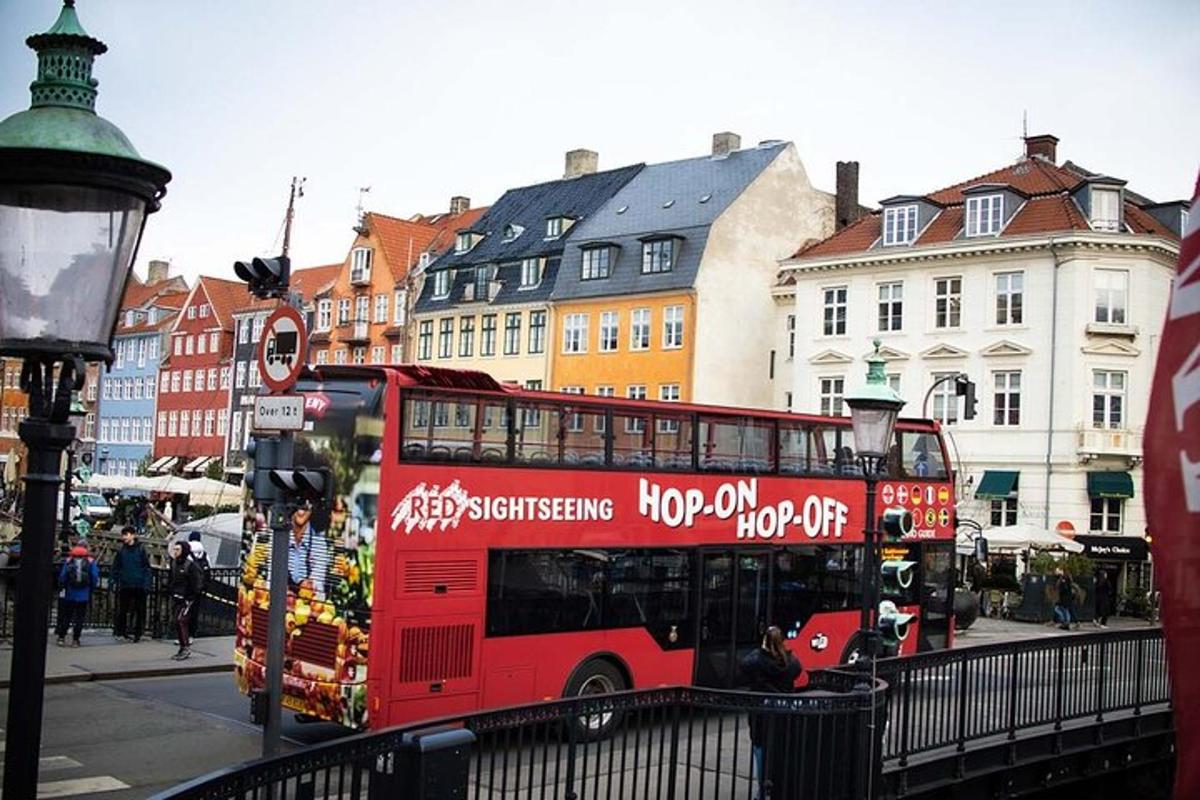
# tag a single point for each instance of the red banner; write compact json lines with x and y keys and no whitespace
{"x":1172,"y":445}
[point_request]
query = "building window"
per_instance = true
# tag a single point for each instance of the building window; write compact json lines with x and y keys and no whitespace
{"x":610,"y":330}
{"x":235,"y":429}
{"x":239,"y":376}
{"x":203,"y":310}
{"x":214,"y":339}
{"x":254,"y":376}
{"x":1010,"y":297}
{"x":668,"y":393}
{"x":658,"y":256}
{"x":483,"y":276}
{"x":596,"y":262}
{"x":672,"y":327}
{"x":343,"y":311}
{"x":212,"y":379}
{"x":487,"y":336}
{"x":162,"y":424}
{"x":1108,"y":399}
{"x":531,"y":273}
{"x":189,"y":346}
{"x":377,"y":354}
{"x":400,"y":309}
{"x":787,"y":401}
{"x":187,"y":380}
{"x":832,"y":390}
{"x":1112,"y":289}
{"x":945,"y":398}
{"x":362,"y":305}
{"x":835,"y":311}
{"x":512,"y":334}
{"x":174,"y":381}
{"x":397,"y":354}
{"x":537,"y":331}
{"x":381,"y":308}
{"x":210,"y":418}
{"x":241,"y":331}
{"x":466,"y":337}
{"x":339,"y":355}
{"x":173,"y":424}
{"x":1106,"y":209}
{"x":184,"y":424}
{"x":360,"y":265}
{"x":462,"y":242}
{"x":445,"y":337}
{"x":222,"y":421}
{"x":141,"y":354}
{"x":603,"y":391}
{"x":152,"y":349}
{"x":322,"y":357}
{"x":441,"y":283}
{"x":635,"y":423}
{"x":178,"y":348}
{"x":1006,"y":406}
{"x":425,"y":340}
{"x":984,"y":215}
{"x":1106,"y":515}
{"x":891,"y":306}
{"x":103,"y":426}
{"x":357,"y":356}
{"x":324,"y":314}
{"x":899,"y":225}
{"x":1004,"y":512}
{"x":639,"y":329}
{"x":574,"y":422}
{"x":554,"y":227}
{"x":191,"y":312}
{"x":224,"y":377}
{"x":947,"y":294}
{"x":791,"y":336}
{"x":575,"y":333}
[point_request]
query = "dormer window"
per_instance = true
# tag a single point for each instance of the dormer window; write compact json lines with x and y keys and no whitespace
{"x":900,"y":225}
{"x":360,"y":265}
{"x":130,"y":319}
{"x":658,"y":255}
{"x":554,"y":227}
{"x":985,"y":214}
{"x":531,"y":273}
{"x":423,"y":261}
{"x":597,"y":263}
{"x":483,"y":276}
{"x":1106,"y":209}
{"x":464,"y":241}
{"x":441,"y":283}
{"x":512,"y":231}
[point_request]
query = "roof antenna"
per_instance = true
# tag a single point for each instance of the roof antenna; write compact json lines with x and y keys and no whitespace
{"x":297,"y":191}
{"x":359,"y":208}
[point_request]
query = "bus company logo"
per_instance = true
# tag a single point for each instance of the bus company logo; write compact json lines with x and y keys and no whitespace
{"x":819,"y":642}
{"x":315,"y":405}
{"x":817,"y":516}
{"x":427,"y":507}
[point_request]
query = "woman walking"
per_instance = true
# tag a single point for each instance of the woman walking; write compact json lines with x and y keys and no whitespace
{"x":772,"y":668}
{"x":185,"y":584}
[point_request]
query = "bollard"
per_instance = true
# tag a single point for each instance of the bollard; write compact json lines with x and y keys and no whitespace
{"x":434,"y":764}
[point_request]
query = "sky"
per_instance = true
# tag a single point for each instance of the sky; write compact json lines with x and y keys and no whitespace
{"x":424,"y":100}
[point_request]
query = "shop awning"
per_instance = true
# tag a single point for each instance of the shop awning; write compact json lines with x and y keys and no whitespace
{"x":1110,"y":484}
{"x":996,"y":485}
{"x":163,"y":464}
{"x":199,"y":464}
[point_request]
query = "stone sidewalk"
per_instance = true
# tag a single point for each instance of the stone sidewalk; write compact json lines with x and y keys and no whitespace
{"x":104,"y":658}
{"x":991,"y":631}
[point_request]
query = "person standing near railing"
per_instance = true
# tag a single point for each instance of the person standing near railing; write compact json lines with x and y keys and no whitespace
{"x":131,"y":579}
{"x":77,"y":578}
{"x":184,"y":586}
{"x":771,"y":668}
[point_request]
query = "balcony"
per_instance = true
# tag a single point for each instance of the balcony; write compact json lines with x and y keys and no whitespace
{"x":359,"y":331}
{"x":360,"y":277}
{"x":1094,"y":443}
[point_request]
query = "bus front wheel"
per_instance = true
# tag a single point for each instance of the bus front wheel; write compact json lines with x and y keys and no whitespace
{"x":593,"y":678}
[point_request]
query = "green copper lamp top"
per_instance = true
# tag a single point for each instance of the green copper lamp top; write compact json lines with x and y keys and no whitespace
{"x":877,"y":386}
{"x":65,"y":56}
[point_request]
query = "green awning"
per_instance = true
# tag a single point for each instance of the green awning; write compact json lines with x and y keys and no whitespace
{"x":1110,"y":484}
{"x":996,"y":485}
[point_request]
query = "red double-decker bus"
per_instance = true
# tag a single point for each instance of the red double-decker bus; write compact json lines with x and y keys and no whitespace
{"x":490,"y":546}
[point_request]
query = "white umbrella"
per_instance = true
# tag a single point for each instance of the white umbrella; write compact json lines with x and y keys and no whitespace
{"x":1025,"y":537}
{"x":208,"y":492}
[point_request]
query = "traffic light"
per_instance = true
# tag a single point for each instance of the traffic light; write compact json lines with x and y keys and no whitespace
{"x":892,"y":624}
{"x":964,"y":387}
{"x":301,"y":484}
{"x":262,"y":450}
{"x":897,"y":575}
{"x":267,"y":277}
{"x":896,"y":523}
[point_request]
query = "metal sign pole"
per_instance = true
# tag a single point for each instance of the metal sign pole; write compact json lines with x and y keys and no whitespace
{"x":277,"y":612}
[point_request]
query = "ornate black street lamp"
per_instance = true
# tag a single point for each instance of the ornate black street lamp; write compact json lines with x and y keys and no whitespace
{"x":74,"y":195}
{"x":873,"y":412}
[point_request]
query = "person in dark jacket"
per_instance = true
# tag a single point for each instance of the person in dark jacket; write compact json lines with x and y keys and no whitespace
{"x":1064,"y":610}
{"x":131,"y":578}
{"x":184,"y":585}
{"x":201,"y":558}
{"x":1104,"y":597}
{"x":77,"y":578}
{"x":772,"y":669}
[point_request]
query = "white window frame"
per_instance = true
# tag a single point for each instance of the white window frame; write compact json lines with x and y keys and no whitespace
{"x":635,"y":423}
{"x":984,"y":215}
{"x":324,"y":314}
{"x":946,"y":402}
{"x":947,"y":302}
{"x":1110,"y":298}
{"x":658,"y":256}
{"x":361,"y":260}
{"x":891,"y":306}
{"x":441,"y":283}
{"x":668,"y":393}
{"x":1111,"y":514}
{"x":381,"y":308}
{"x":672,"y":328}
{"x":833,"y":300}
{"x":610,"y":332}
{"x":531,"y":273}
{"x":575,"y":333}
{"x":596,"y":263}
{"x":1010,"y":297}
{"x":1111,"y":397}
{"x":400,"y":306}
{"x":1006,"y":398}
{"x":1109,"y":217}
{"x":899,"y":225}
{"x":343,"y":311}
{"x":831,"y":389}
{"x":640,"y":320}
{"x":554,"y":227}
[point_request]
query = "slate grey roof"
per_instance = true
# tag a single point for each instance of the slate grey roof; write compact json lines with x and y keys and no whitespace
{"x":643,"y":208}
{"x":528,"y":207}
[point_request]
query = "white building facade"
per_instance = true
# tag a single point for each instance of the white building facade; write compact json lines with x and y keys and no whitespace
{"x":1046,"y":293}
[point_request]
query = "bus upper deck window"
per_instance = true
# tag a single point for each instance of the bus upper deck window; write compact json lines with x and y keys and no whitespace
{"x":922,"y":455}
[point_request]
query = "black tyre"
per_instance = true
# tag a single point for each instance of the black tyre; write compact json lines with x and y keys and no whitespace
{"x":593,"y":678}
{"x":855,"y":648}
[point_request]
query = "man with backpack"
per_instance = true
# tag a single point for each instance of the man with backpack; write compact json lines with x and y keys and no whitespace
{"x":131,"y":579}
{"x":77,"y":578}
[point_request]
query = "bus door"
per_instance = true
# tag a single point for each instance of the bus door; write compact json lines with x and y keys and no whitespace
{"x":734,"y":598}
{"x":937,"y":594}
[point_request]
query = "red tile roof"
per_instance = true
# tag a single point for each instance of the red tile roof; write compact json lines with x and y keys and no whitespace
{"x":1050,"y":208}
{"x":403,"y":240}
{"x":137,"y":293}
{"x":226,"y":298}
{"x":311,"y":280}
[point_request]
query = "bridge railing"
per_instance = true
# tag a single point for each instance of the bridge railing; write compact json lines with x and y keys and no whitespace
{"x":673,"y":742}
{"x":949,"y":698}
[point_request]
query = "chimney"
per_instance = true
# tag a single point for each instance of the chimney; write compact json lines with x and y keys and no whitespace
{"x":158,"y":271}
{"x":581,"y":162}
{"x":725,"y":143}
{"x":846,"y":206}
{"x":1043,"y":145}
{"x":459,"y":204}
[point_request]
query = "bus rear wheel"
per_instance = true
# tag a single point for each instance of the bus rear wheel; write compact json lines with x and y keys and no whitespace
{"x":593,"y":678}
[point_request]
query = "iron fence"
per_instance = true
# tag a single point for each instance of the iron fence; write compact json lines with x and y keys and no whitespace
{"x":217,"y":615}
{"x":948,"y":698}
{"x":674,"y":742}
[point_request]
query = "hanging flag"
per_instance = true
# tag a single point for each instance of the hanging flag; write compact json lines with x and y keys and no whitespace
{"x":1172,"y":447}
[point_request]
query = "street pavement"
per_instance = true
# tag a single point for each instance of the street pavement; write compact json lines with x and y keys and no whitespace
{"x":988,"y":630}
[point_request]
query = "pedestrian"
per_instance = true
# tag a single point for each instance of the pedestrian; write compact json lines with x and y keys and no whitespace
{"x":201,"y":559}
{"x":184,"y":585}
{"x":978,"y":581}
{"x":773,"y":669}
{"x":131,"y":577}
{"x":77,"y":578}
{"x":1104,"y":593}
{"x":1064,"y":610}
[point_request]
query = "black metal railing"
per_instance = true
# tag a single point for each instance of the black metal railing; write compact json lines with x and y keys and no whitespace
{"x":949,"y":698}
{"x":674,"y":742}
{"x":217,"y":616}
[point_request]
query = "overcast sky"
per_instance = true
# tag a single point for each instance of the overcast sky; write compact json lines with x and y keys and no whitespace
{"x":423,"y":100}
